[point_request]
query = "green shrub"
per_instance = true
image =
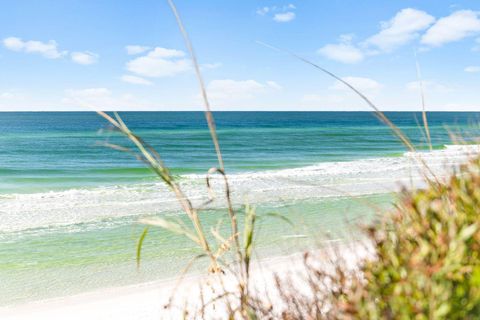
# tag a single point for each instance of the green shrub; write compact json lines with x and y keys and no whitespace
{"x":426,"y":261}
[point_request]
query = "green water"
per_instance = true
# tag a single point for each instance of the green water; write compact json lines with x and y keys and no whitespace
{"x":69,"y":206}
{"x":69,"y":260}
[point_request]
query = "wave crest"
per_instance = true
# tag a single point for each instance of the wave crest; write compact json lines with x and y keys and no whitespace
{"x":329,"y":179}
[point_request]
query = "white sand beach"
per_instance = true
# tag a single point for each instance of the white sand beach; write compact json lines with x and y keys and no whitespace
{"x":148,"y":301}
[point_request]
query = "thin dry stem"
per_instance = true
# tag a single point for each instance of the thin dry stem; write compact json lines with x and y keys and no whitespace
{"x":422,"y":94}
{"x":212,"y":127}
{"x":380,"y":115}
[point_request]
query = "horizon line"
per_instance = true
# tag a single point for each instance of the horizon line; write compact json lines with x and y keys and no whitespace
{"x":192,"y":110}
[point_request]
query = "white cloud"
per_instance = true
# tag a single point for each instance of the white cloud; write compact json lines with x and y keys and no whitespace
{"x":93,"y":98}
{"x":342,"y":52}
{"x":209,"y":66}
{"x":263,"y":11}
{"x":7,"y":95}
{"x":227,"y":89}
{"x":401,"y":29}
{"x":136,"y":80}
{"x":13,"y":43}
{"x":98,"y":99}
{"x":400,"y":98}
{"x":472,"y":69}
{"x":159,"y":52}
{"x":338,"y":96}
{"x":135,"y":49}
{"x":360,"y":83}
{"x":46,"y":49}
{"x":84,"y":58}
{"x":280,"y":14}
{"x":428,"y":86}
{"x":160,"y":62}
{"x":284,"y":17}
{"x":404,"y":27}
{"x":458,"y":25}
{"x":242,"y":94}
{"x":274,"y":85}
{"x":333,"y":100}
{"x":89,"y":94}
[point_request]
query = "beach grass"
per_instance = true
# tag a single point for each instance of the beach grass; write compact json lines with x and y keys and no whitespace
{"x":423,"y":262}
{"x":423,"y":258}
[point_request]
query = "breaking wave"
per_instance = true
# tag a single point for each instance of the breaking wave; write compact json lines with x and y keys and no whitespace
{"x":328,"y":179}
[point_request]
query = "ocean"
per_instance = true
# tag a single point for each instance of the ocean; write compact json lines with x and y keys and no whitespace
{"x":69,"y":206}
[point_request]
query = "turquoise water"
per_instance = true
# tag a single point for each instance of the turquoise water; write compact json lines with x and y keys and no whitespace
{"x":53,"y":151}
{"x":69,"y":206}
{"x":65,"y":261}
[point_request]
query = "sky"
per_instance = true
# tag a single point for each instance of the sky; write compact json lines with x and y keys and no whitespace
{"x":129,"y":55}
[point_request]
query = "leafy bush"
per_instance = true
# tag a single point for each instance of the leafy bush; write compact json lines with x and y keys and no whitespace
{"x":424,"y":262}
{"x":427,"y":255}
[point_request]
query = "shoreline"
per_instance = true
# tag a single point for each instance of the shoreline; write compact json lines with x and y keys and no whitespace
{"x":147,"y":300}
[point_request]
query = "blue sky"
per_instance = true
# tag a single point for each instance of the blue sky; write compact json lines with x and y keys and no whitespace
{"x":129,"y":55}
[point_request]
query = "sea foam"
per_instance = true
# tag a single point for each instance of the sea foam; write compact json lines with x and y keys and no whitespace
{"x":328,"y":179}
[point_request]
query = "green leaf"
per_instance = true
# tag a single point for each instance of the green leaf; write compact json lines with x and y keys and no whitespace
{"x":280,"y":216}
{"x":248,"y":234}
{"x":468,"y":232}
{"x":171,"y":226}
{"x":140,"y":244}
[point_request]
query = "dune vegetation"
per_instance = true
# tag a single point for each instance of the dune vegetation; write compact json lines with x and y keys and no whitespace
{"x":423,"y":261}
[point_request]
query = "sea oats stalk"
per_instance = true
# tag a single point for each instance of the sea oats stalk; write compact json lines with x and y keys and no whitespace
{"x":422,"y":96}
{"x":337,"y":293}
{"x":152,"y":158}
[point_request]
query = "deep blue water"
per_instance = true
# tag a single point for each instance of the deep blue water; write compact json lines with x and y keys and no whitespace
{"x":40,"y":151}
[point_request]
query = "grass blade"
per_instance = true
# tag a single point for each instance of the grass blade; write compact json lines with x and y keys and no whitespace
{"x":172,"y":227}
{"x":377,"y":111}
{"x":140,"y":245}
{"x":422,"y":94}
{"x":248,"y":236}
